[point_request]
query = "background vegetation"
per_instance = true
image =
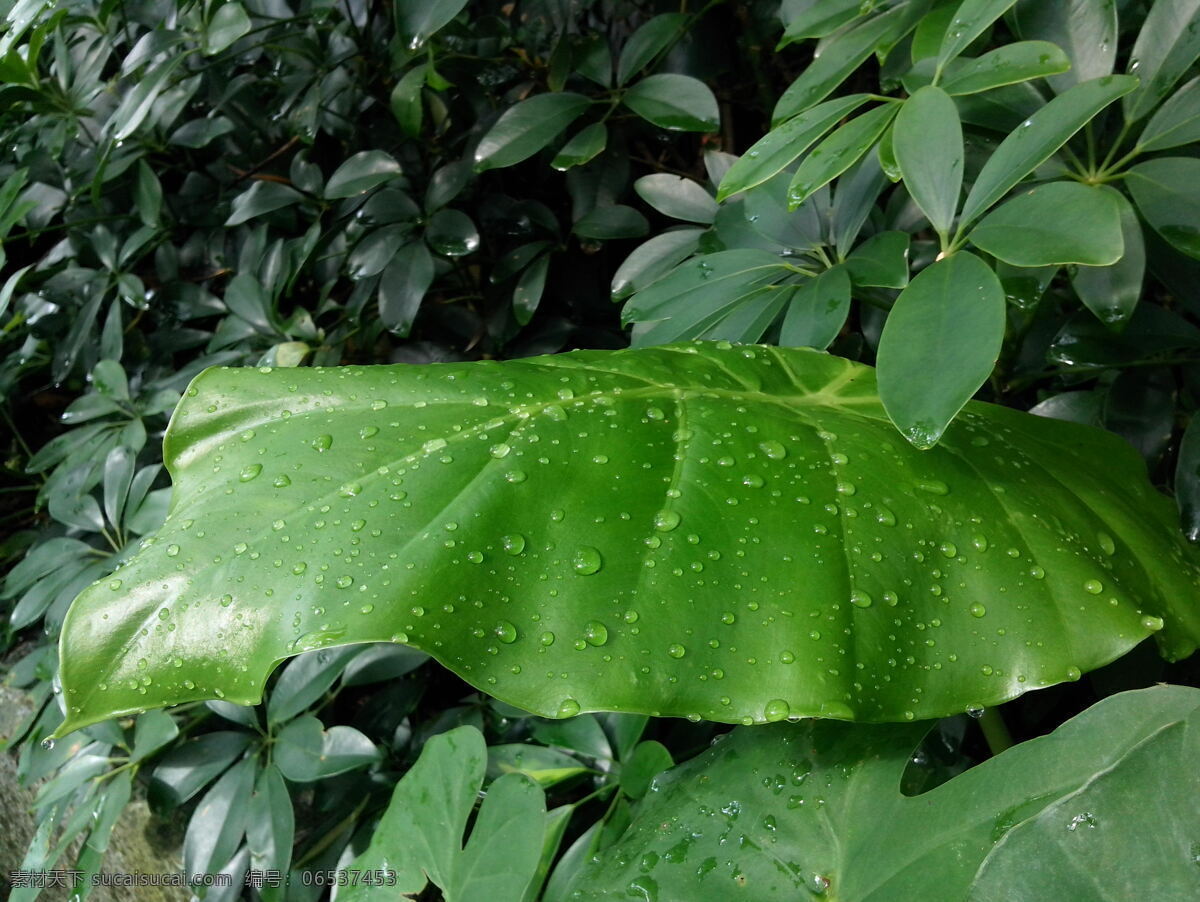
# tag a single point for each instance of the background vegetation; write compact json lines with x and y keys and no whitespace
{"x":287,"y":183}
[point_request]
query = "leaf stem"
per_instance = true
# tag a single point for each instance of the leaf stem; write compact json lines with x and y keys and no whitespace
{"x":995,"y":731}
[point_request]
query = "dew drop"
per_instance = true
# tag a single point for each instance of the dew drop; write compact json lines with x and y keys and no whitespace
{"x":773,"y":449}
{"x":595,"y":633}
{"x":513,"y":544}
{"x":505,"y":631}
{"x":344,"y":582}
{"x":1152,"y":623}
{"x":281,"y":481}
{"x":776,"y":709}
{"x":368,"y":432}
{"x":1107,"y":545}
{"x":1093,"y":587}
{"x":172,"y":550}
{"x":568,"y":708}
{"x":666,"y":520}
{"x":860,"y":599}
{"x":676,"y":651}
{"x":475,"y":557}
{"x":250,"y":472}
{"x":323,"y":442}
{"x":587,"y":560}
{"x":977,"y":610}
{"x":547,"y":638}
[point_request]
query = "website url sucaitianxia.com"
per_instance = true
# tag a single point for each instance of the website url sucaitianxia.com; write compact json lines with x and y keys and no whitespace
{"x":72,"y":879}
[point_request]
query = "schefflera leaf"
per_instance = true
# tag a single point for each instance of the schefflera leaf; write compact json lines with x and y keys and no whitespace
{"x":797,"y":811}
{"x":728,"y":532}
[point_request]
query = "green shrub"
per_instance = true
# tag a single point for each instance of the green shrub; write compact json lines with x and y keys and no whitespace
{"x":984,"y":199}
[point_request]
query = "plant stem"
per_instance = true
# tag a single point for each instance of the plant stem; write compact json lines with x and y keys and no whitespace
{"x":995,"y":731}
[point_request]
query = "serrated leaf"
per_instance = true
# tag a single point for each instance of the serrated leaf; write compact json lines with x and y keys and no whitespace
{"x":1084,"y":522}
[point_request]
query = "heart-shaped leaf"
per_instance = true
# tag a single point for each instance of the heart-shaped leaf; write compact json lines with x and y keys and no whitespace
{"x":815,"y":810}
{"x":731,"y":532}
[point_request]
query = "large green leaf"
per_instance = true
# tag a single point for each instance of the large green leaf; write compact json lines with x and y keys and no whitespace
{"x":526,"y":128}
{"x":420,"y":835}
{"x":814,"y":810}
{"x":1038,"y":137}
{"x":1007,"y":65}
{"x":730,"y":532}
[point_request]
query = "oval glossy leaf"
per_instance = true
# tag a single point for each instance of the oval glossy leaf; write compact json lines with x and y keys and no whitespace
{"x":452,"y":234}
{"x":526,"y":128}
{"x":583,"y":147}
{"x":820,"y":18}
{"x":227,"y":24}
{"x":614,"y":559}
{"x":970,"y":20}
{"x":677,"y":197}
{"x":418,"y":20}
{"x":612,"y":221}
{"x":375,"y":251}
{"x":420,"y":836}
{"x":403,"y":286}
{"x":1167,"y":192}
{"x":1007,"y":65}
{"x":652,"y":260}
{"x":825,"y":798}
{"x":952,"y":312}
{"x":838,"y":152}
{"x":1176,"y":122}
{"x":928,"y":144}
{"x":362,"y":172}
{"x":1112,"y":292}
{"x":528,"y":291}
{"x":1036,"y":139}
{"x":1166,"y":47}
{"x":1055,"y":223}
{"x":1085,"y":29}
{"x":260,"y":198}
{"x":817,"y":311}
{"x":674,"y":102}
{"x":784,"y":143}
{"x":840,"y":56}
{"x":648,"y":42}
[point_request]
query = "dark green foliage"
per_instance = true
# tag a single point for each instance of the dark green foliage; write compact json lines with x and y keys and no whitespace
{"x":291,"y":183}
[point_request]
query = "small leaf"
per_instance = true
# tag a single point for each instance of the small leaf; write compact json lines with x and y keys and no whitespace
{"x":1112,"y":292}
{"x":1054,"y":223}
{"x":1007,"y":65}
{"x":545,"y":766}
{"x":1176,"y":122}
{"x":147,"y":194}
{"x":305,"y":752}
{"x":822,"y":18}
{"x":452,"y":234}
{"x":260,"y":198}
{"x":838,"y":152}
{"x":784,"y":143}
{"x":952,"y":313}
{"x":840,"y":56}
{"x":648,"y":42}
{"x":928,"y":144}
{"x":270,"y":827}
{"x":1038,"y":137}
{"x":1085,"y":29}
{"x":139,"y":101}
{"x":677,"y":197}
{"x":648,"y":761}
{"x":403,"y":286}
{"x":304,"y":680}
{"x":703,"y":280}
{"x":360,"y":173}
{"x":526,"y":128}
{"x":612,"y":221}
{"x":375,"y":251}
{"x":652,"y":260}
{"x":419,"y":20}
{"x":583,"y":147}
{"x":881,"y":261}
{"x":227,"y":24}
{"x":1165,"y":49}
{"x":674,"y":102}
{"x":817,"y":311}
{"x":405,"y":101}
{"x":219,"y":821}
{"x":970,"y":21}
{"x":110,"y":380}
{"x":528,"y":291}
{"x":1187,"y":480}
{"x":1167,"y":193}
{"x":151,"y":732}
